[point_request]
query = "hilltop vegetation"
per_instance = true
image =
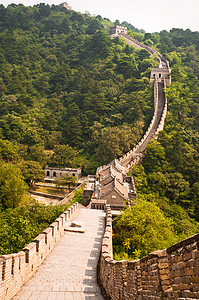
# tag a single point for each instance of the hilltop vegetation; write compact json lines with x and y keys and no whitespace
{"x":66,"y":86}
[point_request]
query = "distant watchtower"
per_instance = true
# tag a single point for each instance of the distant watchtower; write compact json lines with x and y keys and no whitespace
{"x":116,"y":30}
{"x":159,"y":74}
{"x":64,"y":4}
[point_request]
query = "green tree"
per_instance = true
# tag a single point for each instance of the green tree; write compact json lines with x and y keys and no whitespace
{"x":142,"y":229}
{"x":63,"y":156}
{"x":32,"y":172}
{"x":66,"y":180}
{"x":12,"y":185}
{"x":9,"y":152}
{"x":154,"y":156}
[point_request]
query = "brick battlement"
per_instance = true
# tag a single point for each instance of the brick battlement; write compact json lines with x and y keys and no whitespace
{"x":171,"y":273}
{"x":17,"y":268}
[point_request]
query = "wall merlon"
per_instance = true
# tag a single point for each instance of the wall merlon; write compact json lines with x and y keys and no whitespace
{"x":48,"y":231}
{"x":39,"y":240}
{"x":29,"y":247}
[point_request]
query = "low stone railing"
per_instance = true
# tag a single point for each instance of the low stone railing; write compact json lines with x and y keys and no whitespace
{"x":51,"y":196}
{"x":171,"y":273}
{"x":17,"y":268}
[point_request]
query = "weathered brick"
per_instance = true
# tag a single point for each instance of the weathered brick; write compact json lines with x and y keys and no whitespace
{"x":194,"y":279}
{"x":190,"y":272}
{"x":163,"y":265}
{"x":187,"y":256}
{"x":164,"y":277}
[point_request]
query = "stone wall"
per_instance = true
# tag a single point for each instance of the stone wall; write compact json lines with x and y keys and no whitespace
{"x":140,"y":45}
{"x":164,"y":113}
{"x":56,"y":173}
{"x":172,"y":273}
{"x":17,"y":268}
{"x":161,"y":74}
{"x":128,"y":159}
{"x":128,"y":155}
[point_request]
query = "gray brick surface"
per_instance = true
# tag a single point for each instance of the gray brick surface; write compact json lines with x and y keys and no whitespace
{"x":70,"y":270}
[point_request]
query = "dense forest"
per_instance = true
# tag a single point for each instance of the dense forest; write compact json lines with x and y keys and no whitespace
{"x":65,"y":82}
{"x":66,"y":86}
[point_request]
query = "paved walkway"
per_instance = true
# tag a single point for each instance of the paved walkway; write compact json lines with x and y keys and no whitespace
{"x":70,"y":270}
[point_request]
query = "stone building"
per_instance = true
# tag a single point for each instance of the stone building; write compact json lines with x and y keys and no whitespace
{"x":52,"y":173}
{"x":110,"y":185}
{"x":159,"y":74}
{"x":64,"y":4}
{"x":116,"y":30}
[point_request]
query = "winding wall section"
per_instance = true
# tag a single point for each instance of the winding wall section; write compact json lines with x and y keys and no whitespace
{"x":171,"y":273}
{"x":160,"y":104}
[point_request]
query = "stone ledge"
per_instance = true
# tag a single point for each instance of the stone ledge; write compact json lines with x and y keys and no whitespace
{"x":79,"y":229}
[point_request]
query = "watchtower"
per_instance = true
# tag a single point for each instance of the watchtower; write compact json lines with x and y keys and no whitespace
{"x":159,"y":74}
{"x":65,"y":5}
{"x":117,"y":30}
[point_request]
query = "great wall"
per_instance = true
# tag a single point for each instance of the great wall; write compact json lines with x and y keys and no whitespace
{"x":172,"y":273}
{"x":111,"y":185}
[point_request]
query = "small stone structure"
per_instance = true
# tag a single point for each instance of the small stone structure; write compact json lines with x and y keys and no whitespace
{"x":171,"y":273}
{"x":117,"y":30}
{"x":65,"y":5}
{"x":52,"y":173}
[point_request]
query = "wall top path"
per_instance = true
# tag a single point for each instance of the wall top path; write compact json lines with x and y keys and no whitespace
{"x":70,"y":270}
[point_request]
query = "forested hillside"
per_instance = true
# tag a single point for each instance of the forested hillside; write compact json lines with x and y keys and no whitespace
{"x":64,"y":81}
{"x":65,"y":86}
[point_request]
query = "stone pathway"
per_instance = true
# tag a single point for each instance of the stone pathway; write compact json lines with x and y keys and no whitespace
{"x":70,"y":270}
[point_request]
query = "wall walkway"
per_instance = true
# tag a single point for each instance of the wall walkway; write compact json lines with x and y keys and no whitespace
{"x":160,"y":107}
{"x":157,"y":124}
{"x":17,"y":268}
{"x":70,"y":270}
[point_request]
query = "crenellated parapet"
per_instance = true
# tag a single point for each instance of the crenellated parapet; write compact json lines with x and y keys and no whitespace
{"x":171,"y":273}
{"x":17,"y":268}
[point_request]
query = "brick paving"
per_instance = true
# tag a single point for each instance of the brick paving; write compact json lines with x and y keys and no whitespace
{"x":70,"y":270}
